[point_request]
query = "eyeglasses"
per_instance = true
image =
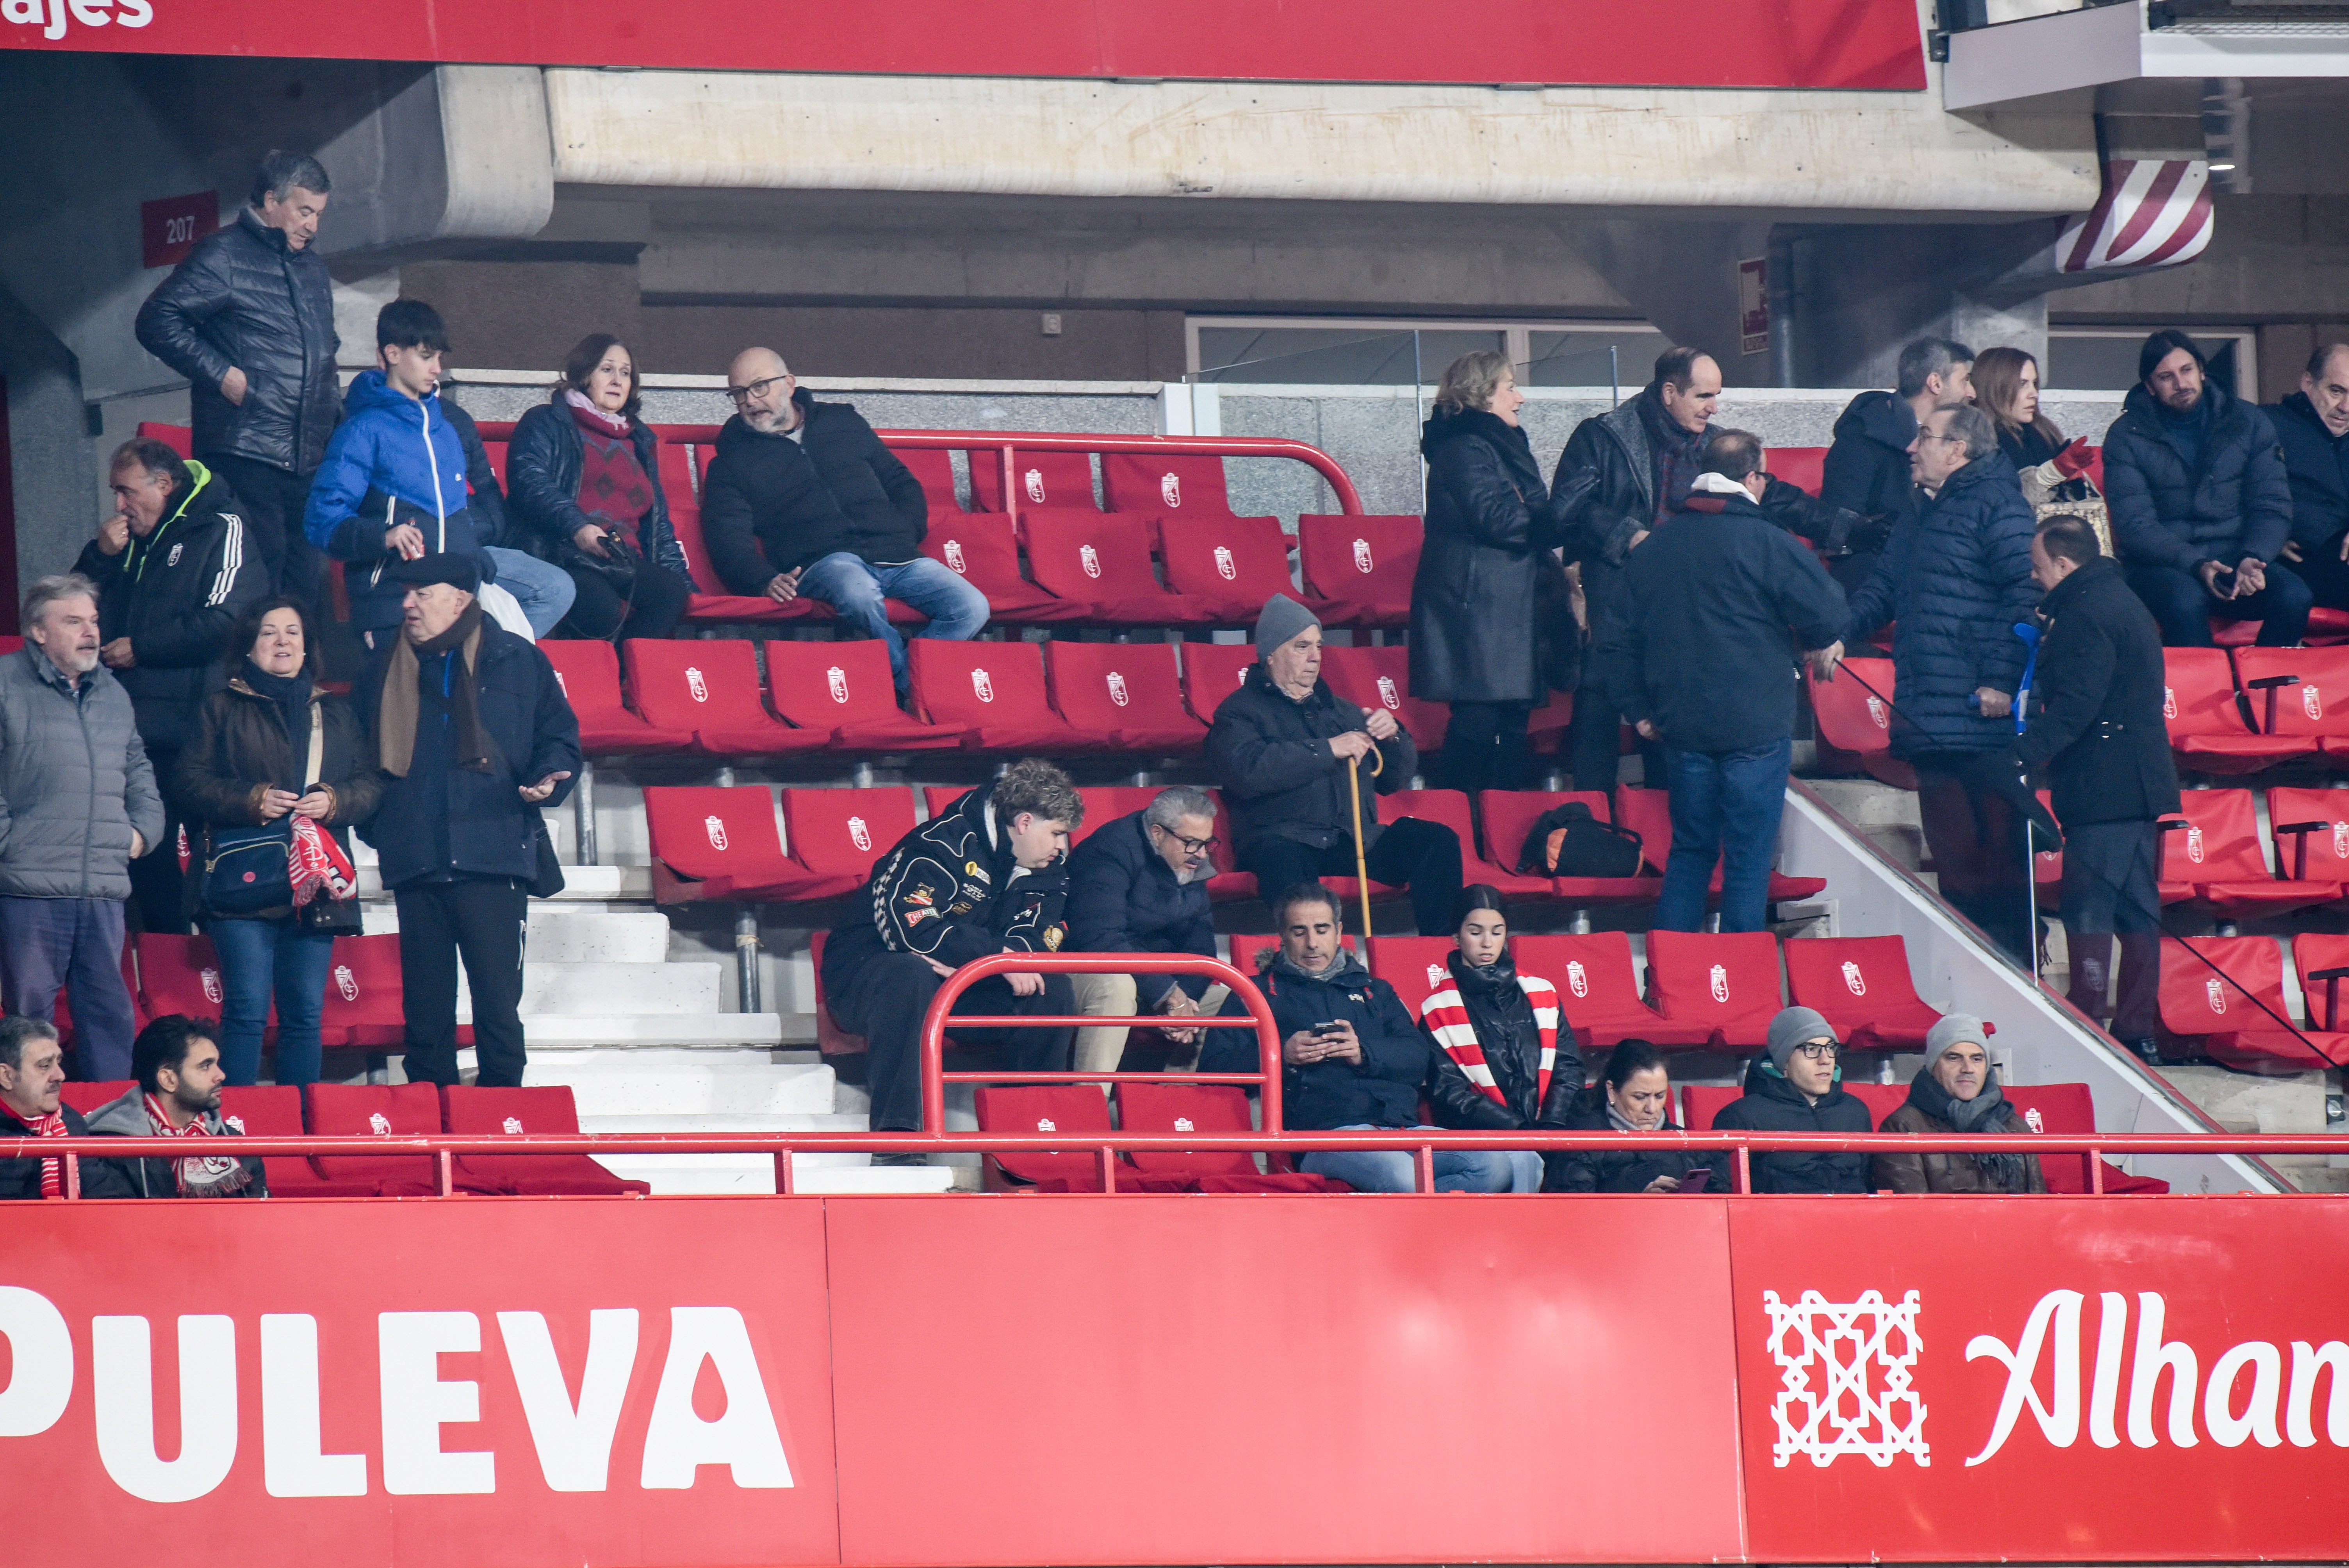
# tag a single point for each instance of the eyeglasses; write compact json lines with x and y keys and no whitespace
{"x":756,"y":388}
{"x":1190,"y":846}
{"x":1818,"y":1050}
{"x":1929,"y":436}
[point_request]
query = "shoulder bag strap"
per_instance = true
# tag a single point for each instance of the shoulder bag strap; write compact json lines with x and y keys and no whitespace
{"x":317,"y":763}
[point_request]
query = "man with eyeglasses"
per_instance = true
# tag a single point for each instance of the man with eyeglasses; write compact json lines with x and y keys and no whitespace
{"x":1798,"y":1087}
{"x":803,"y":501}
{"x":1139,"y":885}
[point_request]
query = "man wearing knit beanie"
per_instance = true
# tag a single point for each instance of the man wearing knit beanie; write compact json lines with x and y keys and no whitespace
{"x":1793,"y":1088}
{"x":2201,"y":505}
{"x":1280,"y":746}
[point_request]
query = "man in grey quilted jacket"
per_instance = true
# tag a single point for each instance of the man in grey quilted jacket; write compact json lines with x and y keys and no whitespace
{"x":77,"y":804}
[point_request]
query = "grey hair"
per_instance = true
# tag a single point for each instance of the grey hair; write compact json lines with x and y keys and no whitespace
{"x":1972,"y":426}
{"x":16,"y":1034}
{"x":1175,"y":804}
{"x":47,"y":590}
{"x":1930,"y":357}
{"x":280,"y":171}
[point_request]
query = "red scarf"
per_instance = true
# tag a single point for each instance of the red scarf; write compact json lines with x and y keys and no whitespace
{"x":1446,"y":1017}
{"x":591,"y":417}
{"x":53,"y":1168}
{"x":199,"y":1175}
{"x":316,"y":864}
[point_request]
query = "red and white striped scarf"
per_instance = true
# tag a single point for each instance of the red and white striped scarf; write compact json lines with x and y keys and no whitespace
{"x":53,"y":1168}
{"x":198,"y":1175}
{"x":1446,"y":1017}
{"x":316,"y":864}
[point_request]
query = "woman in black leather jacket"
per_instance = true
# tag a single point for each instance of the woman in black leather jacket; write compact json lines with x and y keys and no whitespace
{"x":1505,"y":1052}
{"x":583,"y":470}
{"x":1634,"y":1095}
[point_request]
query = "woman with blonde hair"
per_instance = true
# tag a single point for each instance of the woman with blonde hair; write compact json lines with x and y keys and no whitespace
{"x":1489,"y":595}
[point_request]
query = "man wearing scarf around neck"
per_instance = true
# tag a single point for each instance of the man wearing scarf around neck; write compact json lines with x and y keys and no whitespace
{"x":32,"y":1071}
{"x":1957,"y":1091}
{"x":177,"y":1063}
{"x":1796,"y":1086}
{"x":474,"y":735}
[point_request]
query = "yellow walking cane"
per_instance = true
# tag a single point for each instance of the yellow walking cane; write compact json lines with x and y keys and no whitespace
{"x":1354,"y":798}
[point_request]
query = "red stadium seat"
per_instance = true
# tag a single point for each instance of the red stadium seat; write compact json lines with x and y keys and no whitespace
{"x":845,"y":689}
{"x":178,"y":438}
{"x":1106,"y":804}
{"x":711,"y":599}
{"x":1363,"y":564}
{"x":2212,"y":856}
{"x":141,"y":1015}
{"x":1128,"y":693}
{"x":1862,"y":985}
{"x":86,"y":1097}
{"x":993,"y":693}
{"x":1209,"y":1108}
{"x":1212,"y":672}
{"x":1092,"y":555}
{"x":831,"y":1039}
{"x":496,"y":452}
{"x":1510,"y":815}
{"x":2311,"y":828}
{"x":1857,"y":722}
{"x":1701,"y":1102}
{"x":2300,"y":691}
{"x":275,"y":1110}
{"x":1046,"y":1108}
{"x":712,"y":688}
{"x":1805,"y":467}
{"x":2067,"y":1110}
{"x":2326,"y":628}
{"x":546,"y":1109}
{"x":932,"y":470}
{"x":1168,"y":485}
{"x":1649,"y":813}
{"x":984,"y":550}
{"x":1374,"y":678}
{"x":338,"y":1110}
{"x":365,"y":1004}
{"x":839,"y":834}
{"x":1450,"y":807}
{"x":2206,"y":724}
{"x":1600,"y":991}
{"x":1728,"y":983}
{"x":180,"y":975}
{"x":1233,"y":562}
{"x":1414,"y":965}
{"x":588,"y":671}
{"x":2228,"y":991}
{"x":1060,"y":481}
{"x":675,"y":463}
{"x":713,"y":842}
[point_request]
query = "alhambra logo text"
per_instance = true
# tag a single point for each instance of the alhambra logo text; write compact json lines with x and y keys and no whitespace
{"x":1847,"y":1373}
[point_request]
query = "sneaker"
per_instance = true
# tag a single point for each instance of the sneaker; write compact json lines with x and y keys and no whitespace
{"x":2149,"y":1050}
{"x":900,"y":1159}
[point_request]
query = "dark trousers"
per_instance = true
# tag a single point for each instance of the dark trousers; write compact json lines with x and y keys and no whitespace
{"x":482,"y":919}
{"x":2109,"y":888}
{"x":157,"y":884}
{"x":2183,"y":607}
{"x":883,"y":999}
{"x":652,"y":609}
{"x":273,"y":501}
{"x":2326,"y":574}
{"x":1426,"y":856}
{"x":1976,"y":841}
{"x":1725,"y":811}
{"x":1485,"y":748}
{"x":75,"y":944}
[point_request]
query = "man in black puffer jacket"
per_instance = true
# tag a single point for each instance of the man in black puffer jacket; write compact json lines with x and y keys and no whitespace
{"x":249,"y":319}
{"x":174,"y":570}
{"x":1798,"y":1088}
{"x":2313,"y":426}
{"x":1866,"y":486}
{"x":803,"y":498}
{"x":2201,"y":505}
{"x":1957,"y":579}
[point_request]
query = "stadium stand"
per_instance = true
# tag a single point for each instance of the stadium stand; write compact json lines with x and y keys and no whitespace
{"x":509,"y":1112}
{"x":1360,"y":565}
{"x":2214,"y":859}
{"x":711,"y":687}
{"x":589,"y":674}
{"x":1726,"y":984}
{"x":986,"y":551}
{"x":1862,"y":985}
{"x":994,"y":693}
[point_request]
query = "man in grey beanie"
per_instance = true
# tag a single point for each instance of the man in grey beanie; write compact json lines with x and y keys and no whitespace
{"x":1958,"y":1091}
{"x":1279,"y":747}
{"x":1797,"y":1087}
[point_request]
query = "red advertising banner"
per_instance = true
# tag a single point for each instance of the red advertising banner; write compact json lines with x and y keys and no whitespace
{"x":1709,"y":43}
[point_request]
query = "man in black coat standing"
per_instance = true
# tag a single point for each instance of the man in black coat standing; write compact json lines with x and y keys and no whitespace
{"x":1866,"y":491}
{"x":1139,"y":885}
{"x":1699,"y":651}
{"x":2095,"y":729}
{"x":249,"y":319}
{"x":474,"y":735}
{"x":2313,"y":426}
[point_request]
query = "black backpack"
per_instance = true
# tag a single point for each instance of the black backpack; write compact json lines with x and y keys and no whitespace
{"x":1568,"y":841}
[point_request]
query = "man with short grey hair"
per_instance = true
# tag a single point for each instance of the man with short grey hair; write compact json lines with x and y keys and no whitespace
{"x":77,"y":804}
{"x":1139,"y":885}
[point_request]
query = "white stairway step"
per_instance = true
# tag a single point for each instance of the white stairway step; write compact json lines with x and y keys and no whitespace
{"x":707,"y":1085}
{"x":629,"y":884}
{"x":741,"y":1173}
{"x":561,"y":933}
{"x":722,"y":1031}
{"x":622,"y":989}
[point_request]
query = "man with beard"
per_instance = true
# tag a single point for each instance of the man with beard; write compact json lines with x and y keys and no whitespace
{"x":177,"y":1062}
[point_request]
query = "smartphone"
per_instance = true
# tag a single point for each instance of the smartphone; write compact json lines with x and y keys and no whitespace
{"x":1694,"y":1180}
{"x":1329,"y":1028}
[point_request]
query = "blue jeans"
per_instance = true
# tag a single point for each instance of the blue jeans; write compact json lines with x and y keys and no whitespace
{"x":855,"y":588}
{"x":1390,"y":1170}
{"x":543,"y":590}
{"x":1725,"y":811}
{"x":2184,"y":607}
{"x":259,"y":959}
{"x":76,"y":944}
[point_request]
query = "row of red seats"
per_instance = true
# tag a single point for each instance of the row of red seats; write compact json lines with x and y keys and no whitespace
{"x":327,"y":1110}
{"x":2232,"y":1008}
{"x":181,"y":974}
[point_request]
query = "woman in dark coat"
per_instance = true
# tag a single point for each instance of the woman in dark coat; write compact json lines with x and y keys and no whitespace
{"x":1489,"y":596}
{"x":583,"y":470}
{"x":249,"y":766}
{"x":1634,"y":1095}
{"x":1504,"y":1054}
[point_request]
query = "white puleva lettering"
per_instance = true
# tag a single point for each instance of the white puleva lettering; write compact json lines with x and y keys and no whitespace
{"x":122,"y":1379}
{"x":41,"y":1353}
{"x":291,"y":1464}
{"x":678,"y":1441}
{"x":574,"y":1441}
{"x":416,"y":1402}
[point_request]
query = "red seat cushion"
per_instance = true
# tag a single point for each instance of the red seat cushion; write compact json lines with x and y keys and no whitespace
{"x":1105,"y":804}
{"x":711,"y":599}
{"x":1205,"y":1107}
{"x":2316,"y":700}
{"x":1167,"y":484}
{"x":994,"y":693}
{"x":1234,"y":562}
{"x":1363,"y":563}
{"x":1805,"y":467}
{"x":1375,"y":678}
{"x":2215,"y":859}
{"x":1598,"y":990}
{"x":932,"y":470}
{"x":846,"y":689}
{"x":2228,"y":991}
{"x":1126,"y":693}
{"x":713,"y":841}
{"x":1856,"y":722}
{"x":275,"y":1110}
{"x":1728,"y":983}
{"x":1862,"y":985}
{"x":1057,"y":480}
{"x":1414,"y":965}
{"x":1047,"y":1108}
{"x":86,"y":1097}
{"x":1212,"y":672}
{"x":838,"y":834}
{"x":711,"y":688}
{"x":365,"y":1003}
{"x":347,"y":1109}
{"x":1649,"y":813}
{"x":1106,"y":559}
{"x":589,"y":674}
{"x":2207,"y":729}
{"x":546,"y":1108}
{"x":984,"y":552}
{"x":1509,"y":817}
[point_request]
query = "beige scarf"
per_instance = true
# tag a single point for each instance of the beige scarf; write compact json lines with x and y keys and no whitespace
{"x":395,"y":717}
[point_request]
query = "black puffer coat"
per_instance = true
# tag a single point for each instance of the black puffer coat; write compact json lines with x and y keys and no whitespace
{"x":1124,"y":898}
{"x":1271,"y":754}
{"x":2095,"y":703}
{"x":1509,"y":1038}
{"x":542,"y":464}
{"x":774,"y":504}
{"x":1771,"y":1104}
{"x":245,"y":300}
{"x":1867,"y":469}
{"x":1956,"y":578}
{"x":1630,"y":1168}
{"x":2236,"y":502}
{"x":1478,"y":631}
{"x":2316,"y":461}
{"x":1397,"y":1060}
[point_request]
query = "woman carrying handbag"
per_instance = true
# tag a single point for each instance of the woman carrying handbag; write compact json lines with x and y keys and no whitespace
{"x":274,"y":776}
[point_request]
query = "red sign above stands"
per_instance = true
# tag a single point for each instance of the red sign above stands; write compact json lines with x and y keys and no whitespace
{"x":1864,"y":43}
{"x":169,"y":229}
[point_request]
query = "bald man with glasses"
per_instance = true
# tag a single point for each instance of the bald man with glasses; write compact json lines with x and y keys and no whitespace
{"x":803,"y":501}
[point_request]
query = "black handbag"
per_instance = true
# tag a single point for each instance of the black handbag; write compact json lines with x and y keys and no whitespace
{"x":245,"y":869}
{"x":1567,"y":841}
{"x":618,"y":566}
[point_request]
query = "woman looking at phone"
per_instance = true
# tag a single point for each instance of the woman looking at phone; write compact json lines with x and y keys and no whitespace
{"x":1505,"y":1053}
{"x":1634,"y":1095}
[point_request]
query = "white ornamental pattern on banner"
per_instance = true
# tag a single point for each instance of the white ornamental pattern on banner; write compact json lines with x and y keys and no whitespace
{"x":1866,"y":1352}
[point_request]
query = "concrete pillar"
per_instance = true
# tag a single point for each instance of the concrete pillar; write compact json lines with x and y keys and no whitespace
{"x":49,"y":452}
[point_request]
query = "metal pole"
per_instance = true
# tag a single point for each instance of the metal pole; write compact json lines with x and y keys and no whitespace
{"x":1419,"y":408}
{"x":746,"y":955}
{"x":583,"y":806}
{"x":1614,"y":379}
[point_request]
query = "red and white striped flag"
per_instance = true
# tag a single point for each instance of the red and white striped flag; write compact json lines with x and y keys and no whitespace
{"x":2154,"y":212}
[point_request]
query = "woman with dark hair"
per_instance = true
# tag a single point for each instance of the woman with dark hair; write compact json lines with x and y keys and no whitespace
{"x":1634,"y":1095}
{"x":273,"y":750}
{"x":584,"y":469}
{"x":1491,"y":625}
{"x":1505,"y":1052}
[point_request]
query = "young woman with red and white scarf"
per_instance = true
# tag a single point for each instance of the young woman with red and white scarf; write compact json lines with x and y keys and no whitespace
{"x":32,"y":1072}
{"x":1509,"y":1053}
